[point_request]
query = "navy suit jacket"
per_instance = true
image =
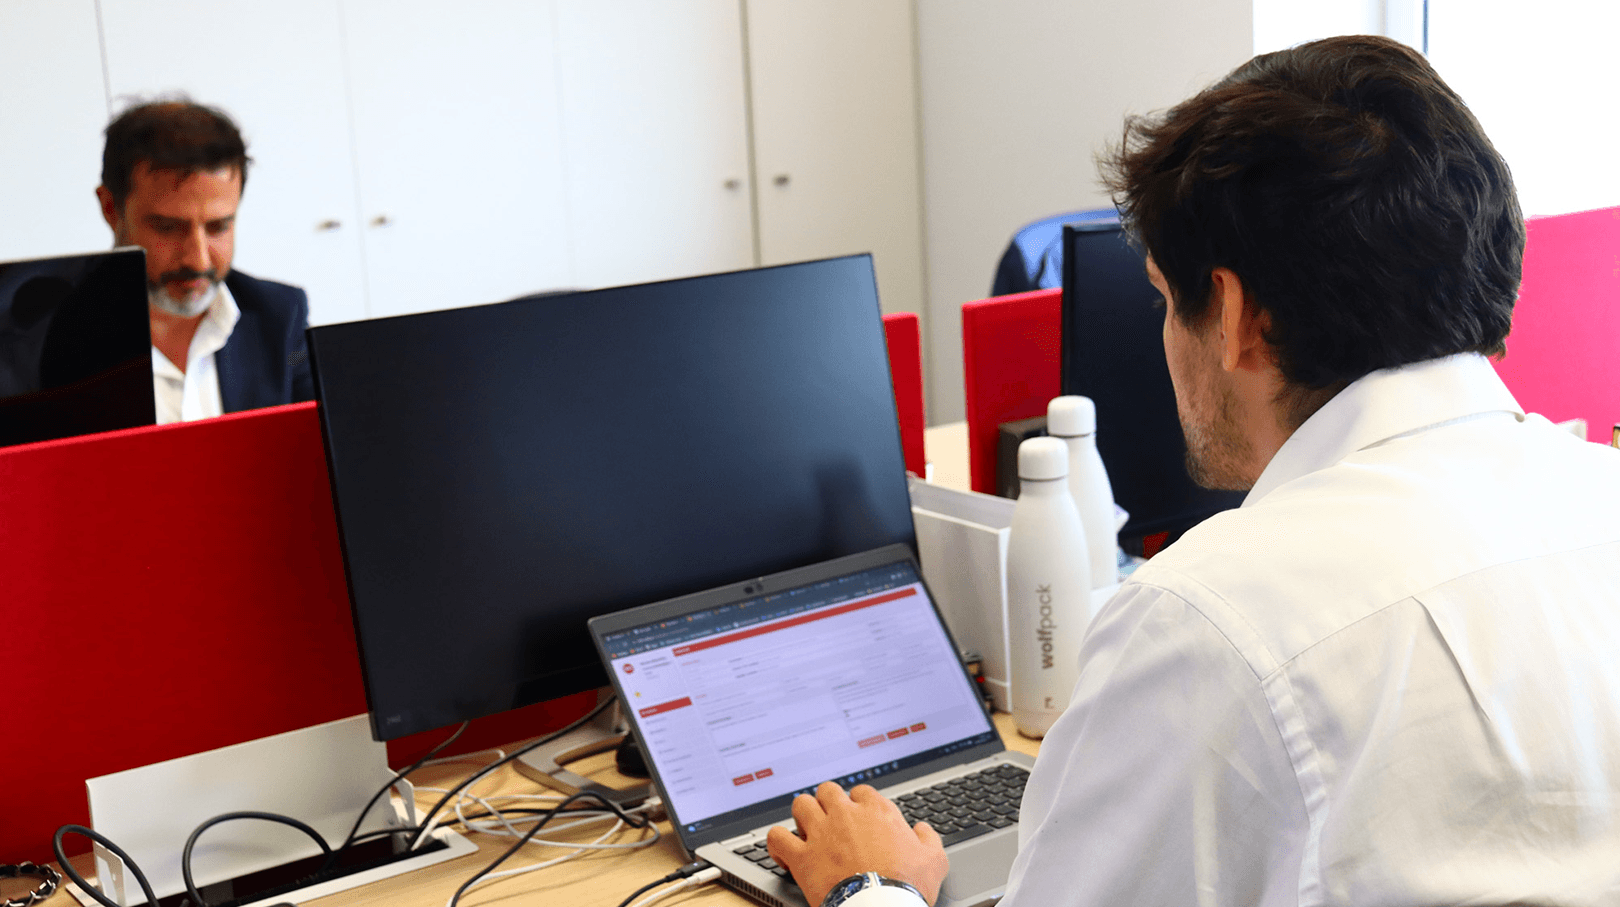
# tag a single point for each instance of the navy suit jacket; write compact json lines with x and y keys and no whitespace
{"x":265,"y":362}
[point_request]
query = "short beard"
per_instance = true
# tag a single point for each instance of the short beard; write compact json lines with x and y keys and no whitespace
{"x":159,"y":297}
{"x":1217,"y":450}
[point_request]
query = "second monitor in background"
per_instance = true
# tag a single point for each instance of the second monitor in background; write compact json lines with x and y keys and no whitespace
{"x":503,"y":473}
{"x":1113,"y":352}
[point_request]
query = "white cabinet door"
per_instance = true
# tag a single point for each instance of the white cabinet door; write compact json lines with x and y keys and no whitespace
{"x":834,"y":102}
{"x":277,"y":69}
{"x":460,"y":160}
{"x":655,"y":115}
{"x":53,"y":106}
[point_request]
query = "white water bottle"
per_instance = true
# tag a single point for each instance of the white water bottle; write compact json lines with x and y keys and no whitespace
{"x":1048,"y":587}
{"x":1074,"y":420}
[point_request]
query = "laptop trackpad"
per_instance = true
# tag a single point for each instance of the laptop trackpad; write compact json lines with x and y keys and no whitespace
{"x":979,"y":870}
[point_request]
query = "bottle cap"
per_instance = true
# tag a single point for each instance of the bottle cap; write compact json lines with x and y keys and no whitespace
{"x":1068,"y":417}
{"x":1043,"y":458}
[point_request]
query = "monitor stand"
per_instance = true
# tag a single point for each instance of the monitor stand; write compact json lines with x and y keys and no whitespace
{"x":604,"y":732}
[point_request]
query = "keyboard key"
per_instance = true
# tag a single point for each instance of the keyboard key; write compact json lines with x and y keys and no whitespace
{"x":963,"y":834}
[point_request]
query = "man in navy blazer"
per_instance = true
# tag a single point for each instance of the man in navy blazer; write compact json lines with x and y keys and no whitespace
{"x":171,"y":181}
{"x":265,"y":363}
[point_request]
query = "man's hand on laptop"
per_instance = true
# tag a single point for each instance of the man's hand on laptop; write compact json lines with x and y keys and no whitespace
{"x":841,"y":835}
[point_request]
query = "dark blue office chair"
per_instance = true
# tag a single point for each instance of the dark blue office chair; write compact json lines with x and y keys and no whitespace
{"x":1034,"y":258}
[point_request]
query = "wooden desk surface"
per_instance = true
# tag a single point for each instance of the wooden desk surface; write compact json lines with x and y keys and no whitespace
{"x":598,"y":879}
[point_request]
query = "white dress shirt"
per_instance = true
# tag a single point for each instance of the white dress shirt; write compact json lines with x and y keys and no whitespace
{"x":1392,"y":677}
{"x":194,"y":393}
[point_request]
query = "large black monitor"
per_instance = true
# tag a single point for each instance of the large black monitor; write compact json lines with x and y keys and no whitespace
{"x":1113,"y":352}
{"x":503,"y":473}
{"x":75,"y":346}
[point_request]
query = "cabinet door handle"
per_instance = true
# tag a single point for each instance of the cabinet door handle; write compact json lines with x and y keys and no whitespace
{"x":732,"y":184}
{"x":781,"y":179}
{"x":327,"y":226}
{"x":381,"y":220}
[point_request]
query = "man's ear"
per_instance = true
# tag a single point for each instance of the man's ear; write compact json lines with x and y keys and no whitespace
{"x":1243,"y":324}
{"x":109,"y":209}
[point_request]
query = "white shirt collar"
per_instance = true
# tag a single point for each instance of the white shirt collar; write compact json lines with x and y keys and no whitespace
{"x":195,"y":394}
{"x":216,"y":326}
{"x":1383,"y":405}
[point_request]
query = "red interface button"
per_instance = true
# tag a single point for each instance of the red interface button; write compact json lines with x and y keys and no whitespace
{"x":663,"y":707}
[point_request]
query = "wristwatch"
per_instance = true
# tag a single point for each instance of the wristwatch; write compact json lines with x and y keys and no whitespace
{"x":845,"y":889}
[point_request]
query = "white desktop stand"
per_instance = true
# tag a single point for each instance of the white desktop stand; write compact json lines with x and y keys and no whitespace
{"x":322,"y":775}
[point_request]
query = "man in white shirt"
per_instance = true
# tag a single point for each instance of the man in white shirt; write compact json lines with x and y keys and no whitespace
{"x":1390,"y":677}
{"x":172,"y":178}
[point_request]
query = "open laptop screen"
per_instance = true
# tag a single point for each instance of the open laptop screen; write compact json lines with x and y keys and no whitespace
{"x":742,"y":704}
{"x":75,"y":346}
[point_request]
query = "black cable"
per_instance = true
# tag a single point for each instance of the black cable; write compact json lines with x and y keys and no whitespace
{"x":648,"y":887}
{"x":427,"y":820}
{"x":547,"y":816}
{"x":191,"y":842}
{"x":685,"y":872}
{"x":86,"y":887}
{"x":349,"y":839}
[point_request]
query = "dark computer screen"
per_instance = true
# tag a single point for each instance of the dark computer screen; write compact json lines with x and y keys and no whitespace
{"x":75,"y":346}
{"x":1113,"y":352}
{"x":503,"y":473}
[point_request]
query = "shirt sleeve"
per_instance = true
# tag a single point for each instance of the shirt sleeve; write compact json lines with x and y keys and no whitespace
{"x":884,"y":897}
{"x":1166,"y":780}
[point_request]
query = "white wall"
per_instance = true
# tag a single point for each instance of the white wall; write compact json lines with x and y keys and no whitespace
{"x":1543,"y":79}
{"x":1283,"y":23}
{"x":53,"y":106}
{"x":1017,"y":97}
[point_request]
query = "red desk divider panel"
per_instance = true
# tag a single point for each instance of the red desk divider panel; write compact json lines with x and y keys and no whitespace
{"x":1010,"y":364}
{"x":1563,"y":356}
{"x":903,"y":333}
{"x":169,"y":590}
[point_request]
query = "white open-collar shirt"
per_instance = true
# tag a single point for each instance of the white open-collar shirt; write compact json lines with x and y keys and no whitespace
{"x":1392,"y":677}
{"x":194,"y":393}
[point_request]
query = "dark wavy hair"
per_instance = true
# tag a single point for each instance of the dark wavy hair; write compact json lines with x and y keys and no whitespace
{"x":1351,"y":191}
{"x":171,"y":134}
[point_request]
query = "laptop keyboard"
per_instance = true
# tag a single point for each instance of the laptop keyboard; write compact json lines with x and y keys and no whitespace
{"x":961,"y":808}
{"x":756,"y":853}
{"x":966,"y":807}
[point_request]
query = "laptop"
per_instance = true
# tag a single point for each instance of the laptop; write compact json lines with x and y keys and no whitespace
{"x":75,"y":346}
{"x":744,"y":696}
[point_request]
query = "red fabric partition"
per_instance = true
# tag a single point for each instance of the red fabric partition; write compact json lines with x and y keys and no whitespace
{"x":1563,"y":356}
{"x":169,"y":590}
{"x":1010,"y":365}
{"x":903,"y":333}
